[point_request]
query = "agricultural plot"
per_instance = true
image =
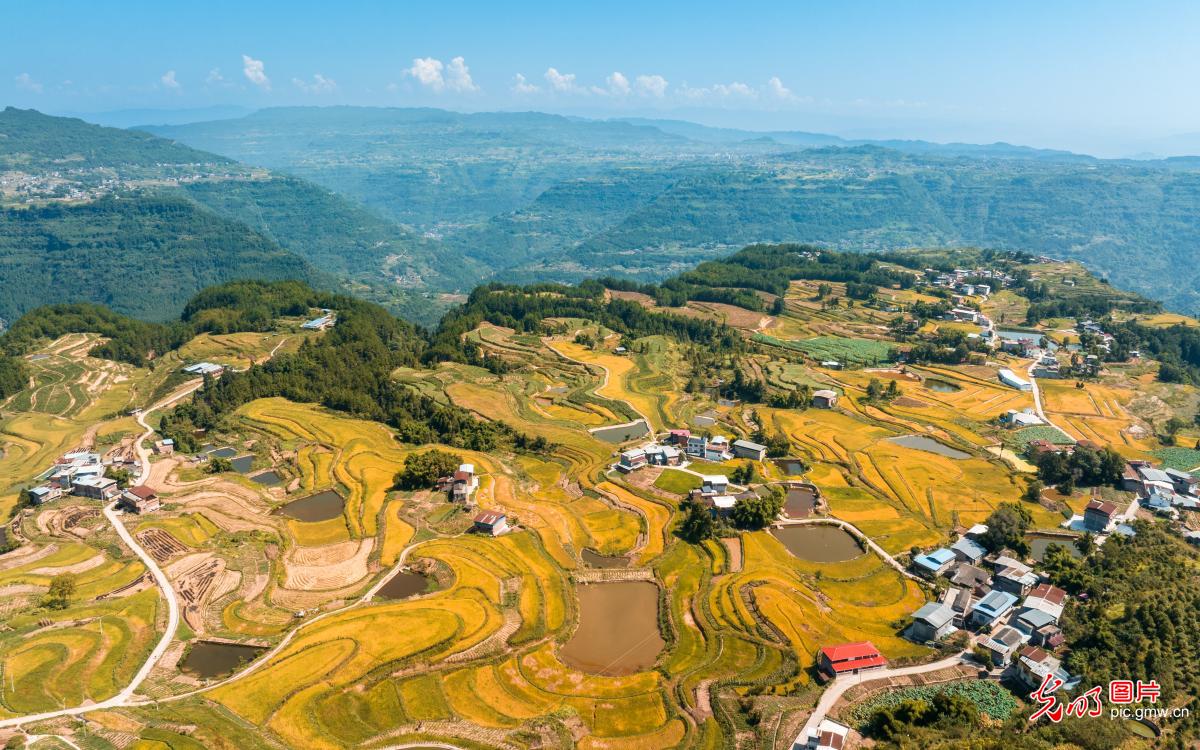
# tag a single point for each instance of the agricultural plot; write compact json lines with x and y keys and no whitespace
{"x":848,"y":351}
{"x":1097,"y":413}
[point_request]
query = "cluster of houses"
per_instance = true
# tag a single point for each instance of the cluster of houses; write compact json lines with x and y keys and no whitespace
{"x":1165,"y":492}
{"x":460,"y":485}
{"x":82,"y":474}
{"x":957,"y":280}
{"x":681,"y":446}
{"x":1001,"y":598}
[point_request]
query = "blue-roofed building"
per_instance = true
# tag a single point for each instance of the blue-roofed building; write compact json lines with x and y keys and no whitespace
{"x":933,"y":563}
{"x":968,"y":550}
{"x":992,"y":607}
{"x":321,"y":323}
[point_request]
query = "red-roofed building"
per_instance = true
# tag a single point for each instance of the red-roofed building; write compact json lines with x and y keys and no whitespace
{"x":680,"y":437}
{"x":140,"y":499}
{"x":850,"y":658}
{"x":1098,"y":515}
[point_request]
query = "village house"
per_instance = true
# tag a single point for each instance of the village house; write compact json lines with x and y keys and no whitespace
{"x":45,"y":493}
{"x":962,"y":603}
{"x":932,"y":622}
{"x":1003,"y":644}
{"x":632,"y":460}
{"x":829,"y":735}
{"x":1014,"y":577}
{"x":204,"y":368}
{"x":1009,"y":378}
{"x":1017,"y":419}
{"x":463,"y":483}
{"x":96,"y":488}
{"x":1098,"y":515}
{"x":1048,"y":599}
{"x":140,"y":499}
{"x":720,"y":505}
{"x":697,"y":446}
{"x":972,"y":578}
{"x":747,"y":449}
{"x":165,"y":447}
{"x":968,"y":550}
{"x":933,"y":563}
{"x":991,"y":608}
{"x":320,"y":324}
{"x":679,"y":438}
{"x":1033,"y":664}
{"x":714,"y":484}
{"x":491,"y":522}
{"x":661,"y":455}
{"x":824,"y":399}
{"x":850,"y":658}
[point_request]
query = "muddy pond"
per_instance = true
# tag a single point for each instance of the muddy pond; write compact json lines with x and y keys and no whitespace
{"x":941,"y":386}
{"x":929,"y":445}
{"x":1038,"y":544}
{"x":793,"y":467}
{"x":621,"y":433}
{"x":209,"y":659}
{"x":799,"y":502}
{"x":618,"y":629}
{"x":319,"y":507}
{"x":404,"y":584}
{"x":597,"y":560}
{"x":268,"y":478}
{"x":818,"y":543}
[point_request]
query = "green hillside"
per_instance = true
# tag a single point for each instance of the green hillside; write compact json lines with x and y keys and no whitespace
{"x":143,"y":256}
{"x":30,"y":140}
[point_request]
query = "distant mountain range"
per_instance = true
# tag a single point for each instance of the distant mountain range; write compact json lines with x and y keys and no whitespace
{"x":412,"y":206}
{"x":537,"y":196}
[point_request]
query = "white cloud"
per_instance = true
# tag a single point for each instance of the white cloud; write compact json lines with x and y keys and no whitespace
{"x":735,"y":89}
{"x":618,"y":84}
{"x":564,"y":82}
{"x":255,"y":72}
{"x":523,"y":86}
{"x":458,"y":76}
{"x":25,"y":82}
{"x":655,"y":86}
{"x":428,"y":72}
{"x":168,"y":81}
{"x":319,"y":84}
{"x":778,"y":90}
{"x":436,"y":76}
{"x":214,"y":77}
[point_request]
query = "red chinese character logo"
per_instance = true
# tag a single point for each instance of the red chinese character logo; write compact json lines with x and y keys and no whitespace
{"x":1048,"y":705}
{"x":1120,"y":691}
{"x":1080,"y":706}
{"x":1149,"y":690}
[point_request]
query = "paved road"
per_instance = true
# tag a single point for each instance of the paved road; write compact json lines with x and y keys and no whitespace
{"x":122,"y":698}
{"x":841,"y":684}
{"x":1037,"y":399}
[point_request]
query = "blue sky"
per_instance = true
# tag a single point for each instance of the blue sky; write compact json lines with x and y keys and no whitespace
{"x":1099,"y":76}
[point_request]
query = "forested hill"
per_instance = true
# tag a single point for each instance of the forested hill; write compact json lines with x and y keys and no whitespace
{"x":141,"y":255}
{"x":30,"y":140}
{"x":83,"y":212}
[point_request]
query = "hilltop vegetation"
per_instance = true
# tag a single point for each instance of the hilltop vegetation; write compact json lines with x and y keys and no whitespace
{"x":30,"y":140}
{"x":140,"y":255}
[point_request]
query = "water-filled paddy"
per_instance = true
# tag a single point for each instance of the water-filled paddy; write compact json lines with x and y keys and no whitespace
{"x":618,"y":629}
{"x":621,"y":433}
{"x":268,"y":478}
{"x":208,"y":659}
{"x":818,"y":542}
{"x":597,"y":560}
{"x":322,"y":506}
{"x":403,"y":585}
{"x":941,"y":386}
{"x":929,"y":445}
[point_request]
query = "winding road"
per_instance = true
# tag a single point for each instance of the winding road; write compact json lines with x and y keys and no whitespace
{"x":160,"y":578}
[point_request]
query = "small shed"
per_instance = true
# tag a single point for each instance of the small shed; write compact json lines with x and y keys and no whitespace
{"x":491,"y":522}
{"x":824,"y":398}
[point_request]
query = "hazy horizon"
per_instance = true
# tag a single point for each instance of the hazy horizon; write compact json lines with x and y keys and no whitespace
{"x":1096,"y":78}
